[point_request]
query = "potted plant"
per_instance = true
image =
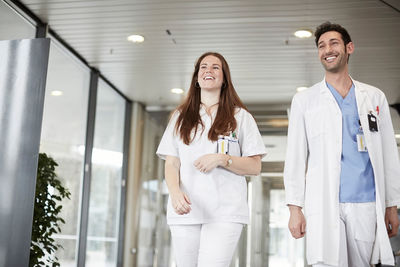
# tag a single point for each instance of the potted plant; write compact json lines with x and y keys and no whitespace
{"x":46,"y":220}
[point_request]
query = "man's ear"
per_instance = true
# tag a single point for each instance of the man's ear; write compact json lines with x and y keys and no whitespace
{"x":350,"y":48}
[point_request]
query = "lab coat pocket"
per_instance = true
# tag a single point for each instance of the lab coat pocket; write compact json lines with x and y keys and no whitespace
{"x":365,"y":222}
{"x":315,"y":120}
{"x":234,"y":148}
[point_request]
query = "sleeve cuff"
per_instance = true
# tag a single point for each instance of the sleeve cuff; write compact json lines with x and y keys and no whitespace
{"x":393,"y":203}
{"x":295,"y":203}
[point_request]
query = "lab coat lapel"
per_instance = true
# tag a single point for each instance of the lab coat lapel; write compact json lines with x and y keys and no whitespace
{"x":326,"y":92}
{"x":328,"y":96}
{"x":364,"y":106}
{"x":335,"y":113}
{"x":362,"y":103}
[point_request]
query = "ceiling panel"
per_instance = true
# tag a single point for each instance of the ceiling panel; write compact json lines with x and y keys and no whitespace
{"x":256,"y":37}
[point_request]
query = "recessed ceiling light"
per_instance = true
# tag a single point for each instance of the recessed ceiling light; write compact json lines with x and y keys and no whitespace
{"x":178,"y":91}
{"x":397,"y":136}
{"x":136,"y":38}
{"x":301,"y":88}
{"x":303,"y":34}
{"x":56,"y":93}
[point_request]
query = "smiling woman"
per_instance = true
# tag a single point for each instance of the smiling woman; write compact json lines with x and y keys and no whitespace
{"x":212,"y":88}
{"x":210,"y":75}
{"x":211,"y":142}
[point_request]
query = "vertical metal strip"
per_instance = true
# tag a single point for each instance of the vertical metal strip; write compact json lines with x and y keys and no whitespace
{"x":127,"y":136}
{"x":23,"y":71}
{"x":133,"y":185}
{"x":94,"y":78}
{"x":41,"y":30}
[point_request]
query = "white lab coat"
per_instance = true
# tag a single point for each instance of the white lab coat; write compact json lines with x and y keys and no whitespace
{"x":313,"y":160}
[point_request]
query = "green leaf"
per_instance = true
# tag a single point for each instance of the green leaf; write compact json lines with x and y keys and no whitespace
{"x":46,"y":221}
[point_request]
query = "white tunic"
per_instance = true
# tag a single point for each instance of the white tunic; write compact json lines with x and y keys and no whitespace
{"x":219,"y":195}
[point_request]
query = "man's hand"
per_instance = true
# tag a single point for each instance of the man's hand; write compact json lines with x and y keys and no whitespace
{"x":297,"y":222}
{"x":391,"y":221}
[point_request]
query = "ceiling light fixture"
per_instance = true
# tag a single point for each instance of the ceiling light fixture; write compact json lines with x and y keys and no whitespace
{"x":301,"y":88}
{"x":135,"y":38}
{"x":303,"y":33}
{"x":397,"y":136}
{"x":178,"y":91}
{"x":56,"y":93}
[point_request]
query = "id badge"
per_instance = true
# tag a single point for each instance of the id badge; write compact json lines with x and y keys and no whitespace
{"x":361,"y":143}
{"x":223,"y":146}
{"x":373,"y":125}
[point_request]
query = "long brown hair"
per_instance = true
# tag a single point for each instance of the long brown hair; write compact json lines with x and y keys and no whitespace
{"x":189,"y":117}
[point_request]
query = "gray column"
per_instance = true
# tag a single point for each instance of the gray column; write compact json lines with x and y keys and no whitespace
{"x":94,"y":79}
{"x":127,"y":135}
{"x":23,"y":69}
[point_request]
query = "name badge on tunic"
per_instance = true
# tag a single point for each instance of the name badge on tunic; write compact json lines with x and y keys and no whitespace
{"x":361,"y":143}
{"x":223,"y":145}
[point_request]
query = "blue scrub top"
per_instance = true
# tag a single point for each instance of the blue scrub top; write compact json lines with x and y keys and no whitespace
{"x":356,"y":177}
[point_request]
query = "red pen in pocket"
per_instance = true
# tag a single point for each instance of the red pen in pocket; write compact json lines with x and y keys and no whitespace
{"x":377,"y":110}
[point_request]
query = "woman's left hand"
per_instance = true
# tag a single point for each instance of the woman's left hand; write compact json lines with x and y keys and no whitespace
{"x":209,"y":162}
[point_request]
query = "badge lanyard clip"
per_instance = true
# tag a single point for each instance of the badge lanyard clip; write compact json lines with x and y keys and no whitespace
{"x":361,"y":146}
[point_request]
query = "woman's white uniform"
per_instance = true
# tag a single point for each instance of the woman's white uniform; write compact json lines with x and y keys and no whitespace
{"x":219,"y":195}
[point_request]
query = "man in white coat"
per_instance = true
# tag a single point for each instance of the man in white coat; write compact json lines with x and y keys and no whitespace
{"x":342,"y":165}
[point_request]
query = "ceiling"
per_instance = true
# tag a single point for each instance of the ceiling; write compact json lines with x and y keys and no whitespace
{"x":256,"y":37}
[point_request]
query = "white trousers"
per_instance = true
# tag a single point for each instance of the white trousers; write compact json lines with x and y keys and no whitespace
{"x":357,"y":234}
{"x":205,"y":245}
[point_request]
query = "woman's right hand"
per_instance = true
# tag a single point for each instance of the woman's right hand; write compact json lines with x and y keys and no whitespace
{"x":180,"y":202}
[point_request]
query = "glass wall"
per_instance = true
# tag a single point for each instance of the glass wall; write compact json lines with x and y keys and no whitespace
{"x":284,"y":250}
{"x":13,"y":26}
{"x":154,"y":243}
{"x":105,"y":188}
{"x":63,"y":137}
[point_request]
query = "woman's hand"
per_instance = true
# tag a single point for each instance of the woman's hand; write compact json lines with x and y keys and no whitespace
{"x":180,"y":202}
{"x":209,"y":162}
